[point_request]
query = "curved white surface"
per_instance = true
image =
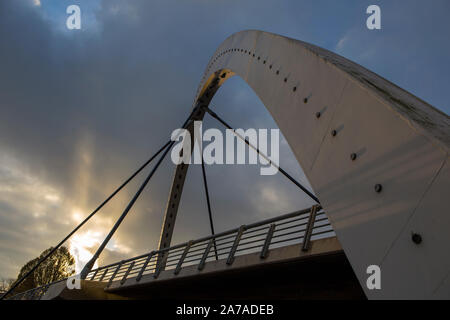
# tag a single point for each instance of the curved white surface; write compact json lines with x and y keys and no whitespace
{"x":401,"y":143}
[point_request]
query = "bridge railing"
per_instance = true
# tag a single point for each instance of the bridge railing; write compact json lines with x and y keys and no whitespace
{"x":293,"y":228}
{"x":35,"y":293}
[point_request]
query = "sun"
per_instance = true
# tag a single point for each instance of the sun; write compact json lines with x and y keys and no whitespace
{"x":82,"y":246}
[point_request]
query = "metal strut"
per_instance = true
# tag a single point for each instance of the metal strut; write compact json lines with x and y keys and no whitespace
{"x":87,"y":268}
{"x":16,"y":284}
{"x":209,"y":208}
{"x":215,"y":116}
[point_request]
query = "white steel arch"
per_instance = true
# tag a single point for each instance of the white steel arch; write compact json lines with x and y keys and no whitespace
{"x":398,"y":142}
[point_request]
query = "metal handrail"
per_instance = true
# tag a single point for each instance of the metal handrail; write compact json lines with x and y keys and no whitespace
{"x":198,"y":251}
{"x":34,"y":293}
{"x":245,"y":239}
{"x":182,"y":245}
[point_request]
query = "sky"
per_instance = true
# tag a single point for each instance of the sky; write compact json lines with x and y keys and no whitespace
{"x":80,"y":110}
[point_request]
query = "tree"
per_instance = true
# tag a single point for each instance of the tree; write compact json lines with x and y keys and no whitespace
{"x":5,"y":284}
{"x":58,"y":266}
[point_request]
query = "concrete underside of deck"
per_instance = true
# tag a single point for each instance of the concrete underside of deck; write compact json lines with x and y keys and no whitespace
{"x":326,"y":276}
{"x":288,"y":273}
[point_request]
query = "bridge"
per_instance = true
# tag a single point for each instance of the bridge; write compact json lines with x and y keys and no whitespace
{"x":376,"y":157}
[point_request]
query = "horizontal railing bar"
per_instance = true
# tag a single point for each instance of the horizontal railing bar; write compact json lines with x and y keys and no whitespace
{"x":288,"y":233}
{"x":125,"y":261}
{"x":176,"y":251}
{"x":255,"y":229}
{"x":199,"y":245}
{"x":251,"y":241}
{"x":256,"y":235}
{"x":222,"y":239}
{"x":211,"y":253}
{"x":303,"y":224}
{"x":302,"y":217}
{"x":283,"y":222}
{"x":195,"y":255}
{"x":191,"y":260}
{"x":322,"y":225}
{"x":292,"y":227}
{"x":322,"y":232}
{"x":173,"y":257}
{"x":197,"y":250}
{"x":224,"y":243}
{"x":287,"y":240}
{"x":257,"y":224}
{"x":121,"y":271}
{"x":44,"y":288}
{"x":147,"y":269}
{"x":249,"y":248}
{"x":224,"y":248}
{"x":171,"y":264}
{"x":306,"y":217}
{"x":138,"y":264}
{"x":243,"y":243}
{"x":219,"y":252}
{"x":218,"y":237}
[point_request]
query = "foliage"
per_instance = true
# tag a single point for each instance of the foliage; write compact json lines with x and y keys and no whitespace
{"x":58,"y":266}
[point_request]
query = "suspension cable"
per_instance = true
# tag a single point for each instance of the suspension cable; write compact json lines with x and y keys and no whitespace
{"x":85,"y":220}
{"x":205,"y":183}
{"x":215,"y":116}
{"x":19,"y":281}
{"x":87,"y":268}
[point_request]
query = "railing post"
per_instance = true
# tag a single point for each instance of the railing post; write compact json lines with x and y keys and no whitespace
{"x":230,"y":259}
{"x":127,"y":273}
{"x":149,"y":257}
{"x":94,"y":274}
{"x":309,"y":228}
{"x":266,"y":245}
{"x":201,"y":265}
{"x":162,"y":257}
{"x":103,"y":275}
{"x":183,"y":256}
{"x":114,"y":274}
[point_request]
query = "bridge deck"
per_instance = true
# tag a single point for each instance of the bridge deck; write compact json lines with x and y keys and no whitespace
{"x":323,"y":272}
{"x":278,"y":255}
{"x":287,"y":272}
{"x":265,"y":244}
{"x":221,"y":251}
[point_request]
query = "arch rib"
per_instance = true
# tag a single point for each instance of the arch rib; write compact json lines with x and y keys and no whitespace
{"x":382,"y":135}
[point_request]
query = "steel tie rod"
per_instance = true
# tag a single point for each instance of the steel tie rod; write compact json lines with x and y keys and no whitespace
{"x":18,"y":282}
{"x":215,"y":116}
{"x":209,"y":208}
{"x":87,"y":268}
{"x":85,"y":220}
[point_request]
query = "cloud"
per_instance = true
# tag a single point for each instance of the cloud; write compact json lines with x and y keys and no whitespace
{"x":341,"y":43}
{"x":408,"y":42}
{"x":79,"y":111}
